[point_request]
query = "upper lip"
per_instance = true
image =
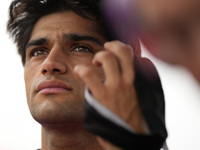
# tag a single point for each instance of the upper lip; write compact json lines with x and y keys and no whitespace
{"x":52,"y":84}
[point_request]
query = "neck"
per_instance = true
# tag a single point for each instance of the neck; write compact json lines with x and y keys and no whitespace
{"x":74,"y":137}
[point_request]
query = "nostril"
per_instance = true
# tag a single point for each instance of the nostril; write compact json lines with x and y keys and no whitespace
{"x":53,"y":67}
{"x":53,"y":71}
{"x":44,"y":71}
{"x":56,"y":70}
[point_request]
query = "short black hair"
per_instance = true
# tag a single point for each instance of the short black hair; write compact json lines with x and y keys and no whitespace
{"x":23,"y":15}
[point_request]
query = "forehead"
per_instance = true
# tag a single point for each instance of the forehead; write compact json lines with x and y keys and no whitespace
{"x":54,"y":25}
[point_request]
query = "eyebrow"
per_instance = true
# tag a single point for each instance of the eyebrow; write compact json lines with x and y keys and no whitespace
{"x":37,"y":42}
{"x":78,"y":37}
{"x":65,"y":37}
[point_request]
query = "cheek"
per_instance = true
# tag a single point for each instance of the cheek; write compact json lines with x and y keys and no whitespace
{"x":27,"y":80}
{"x":29,"y":77}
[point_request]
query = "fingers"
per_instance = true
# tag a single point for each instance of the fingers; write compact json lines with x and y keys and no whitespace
{"x":117,"y":92}
{"x":117,"y":64}
{"x":124,"y":55}
{"x":90,"y":78}
{"x":110,"y":65}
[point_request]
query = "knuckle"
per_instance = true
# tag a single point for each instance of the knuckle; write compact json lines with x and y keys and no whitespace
{"x":110,"y":43}
{"x":104,"y":55}
{"x":118,"y":42}
{"x":129,"y":81}
{"x":124,"y":49}
{"x":108,"y":55}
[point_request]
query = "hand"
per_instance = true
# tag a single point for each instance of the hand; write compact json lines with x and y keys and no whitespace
{"x":117,"y":92}
{"x":107,"y":145}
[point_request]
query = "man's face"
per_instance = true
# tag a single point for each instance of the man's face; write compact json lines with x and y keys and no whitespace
{"x":58,"y":43}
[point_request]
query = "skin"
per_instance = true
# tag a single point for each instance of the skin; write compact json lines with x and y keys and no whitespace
{"x":116,"y":92}
{"x":60,"y":113}
{"x":56,"y":59}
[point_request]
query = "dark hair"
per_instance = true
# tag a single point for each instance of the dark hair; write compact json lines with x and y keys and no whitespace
{"x":23,"y":15}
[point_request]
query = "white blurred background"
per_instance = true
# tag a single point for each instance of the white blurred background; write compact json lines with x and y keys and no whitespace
{"x":18,"y":131}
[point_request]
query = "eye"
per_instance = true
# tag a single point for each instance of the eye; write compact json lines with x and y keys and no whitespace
{"x":82,"y":48}
{"x":38,"y":51}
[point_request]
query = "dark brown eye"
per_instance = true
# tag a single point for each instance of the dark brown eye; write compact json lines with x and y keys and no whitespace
{"x":82,"y":48}
{"x":38,"y":51}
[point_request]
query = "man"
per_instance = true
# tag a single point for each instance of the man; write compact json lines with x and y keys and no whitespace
{"x":62,"y":46}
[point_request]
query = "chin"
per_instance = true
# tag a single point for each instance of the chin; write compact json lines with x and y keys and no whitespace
{"x":55,"y":112}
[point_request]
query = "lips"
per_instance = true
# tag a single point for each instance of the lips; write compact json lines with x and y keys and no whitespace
{"x":52,"y":87}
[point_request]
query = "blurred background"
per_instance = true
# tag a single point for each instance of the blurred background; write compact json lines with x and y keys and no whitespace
{"x":18,"y":131}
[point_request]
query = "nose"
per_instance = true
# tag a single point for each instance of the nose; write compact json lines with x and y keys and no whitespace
{"x":55,"y":62}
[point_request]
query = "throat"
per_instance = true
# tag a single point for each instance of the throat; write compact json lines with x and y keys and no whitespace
{"x":68,"y":138}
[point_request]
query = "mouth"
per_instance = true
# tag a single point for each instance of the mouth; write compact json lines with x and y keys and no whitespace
{"x":52,"y":87}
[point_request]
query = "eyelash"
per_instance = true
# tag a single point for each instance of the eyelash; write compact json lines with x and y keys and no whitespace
{"x":84,"y":49}
{"x":37,"y":49}
{"x":82,"y":46}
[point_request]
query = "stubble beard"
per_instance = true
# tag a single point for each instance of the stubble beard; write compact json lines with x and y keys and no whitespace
{"x":48,"y":112}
